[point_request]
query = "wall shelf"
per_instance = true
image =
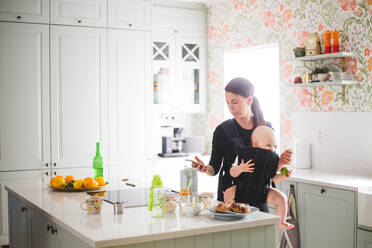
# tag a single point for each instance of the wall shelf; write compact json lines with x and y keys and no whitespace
{"x":326,"y":83}
{"x":324,"y":56}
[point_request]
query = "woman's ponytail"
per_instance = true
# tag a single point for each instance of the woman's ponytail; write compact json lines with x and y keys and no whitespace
{"x":258,"y":118}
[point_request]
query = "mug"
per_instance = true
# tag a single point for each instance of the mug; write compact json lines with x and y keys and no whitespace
{"x":92,"y":205}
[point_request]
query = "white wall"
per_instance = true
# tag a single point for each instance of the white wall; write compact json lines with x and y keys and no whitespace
{"x":340,"y":141}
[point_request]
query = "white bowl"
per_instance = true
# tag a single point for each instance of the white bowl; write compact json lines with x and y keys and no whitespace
{"x":188,"y":209}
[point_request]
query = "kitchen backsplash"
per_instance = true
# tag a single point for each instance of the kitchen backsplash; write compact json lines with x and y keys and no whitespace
{"x":339,"y":141}
{"x":246,"y":23}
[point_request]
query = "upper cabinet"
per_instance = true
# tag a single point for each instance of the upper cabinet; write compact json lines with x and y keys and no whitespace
{"x":179,"y":21}
{"x":179,"y":60}
{"x":129,"y":14}
{"x":79,"y":12}
{"x":78,"y":94}
{"x":24,"y":96}
{"x":24,"y":11}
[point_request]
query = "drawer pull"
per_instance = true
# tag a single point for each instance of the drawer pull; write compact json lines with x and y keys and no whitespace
{"x":55,"y":173}
{"x":79,"y":21}
{"x":49,"y":227}
{"x":23,"y":209}
{"x":46,"y":164}
{"x":19,"y":17}
{"x":54,"y":164}
{"x":53,"y":230}
{"x":322,"y":191}
{"x":130,"y":24}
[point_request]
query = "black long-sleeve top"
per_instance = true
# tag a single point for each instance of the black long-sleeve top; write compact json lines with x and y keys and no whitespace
{"x":223,"y":153}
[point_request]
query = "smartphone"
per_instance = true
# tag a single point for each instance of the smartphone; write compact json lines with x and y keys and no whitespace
{"x":190,"y":160}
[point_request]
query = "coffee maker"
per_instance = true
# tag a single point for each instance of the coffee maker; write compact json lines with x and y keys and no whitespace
{"x":173,"y":145}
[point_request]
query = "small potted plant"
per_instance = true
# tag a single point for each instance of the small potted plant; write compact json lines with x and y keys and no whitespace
{"x":320,"y":73}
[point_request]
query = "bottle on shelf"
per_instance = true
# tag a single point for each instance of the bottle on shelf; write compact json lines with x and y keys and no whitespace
{"x":98,"y":163}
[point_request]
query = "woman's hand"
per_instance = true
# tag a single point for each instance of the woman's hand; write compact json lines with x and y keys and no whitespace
{"x":279,"y":177}
{"x":200,"y":166}
{"x":285,"y":158}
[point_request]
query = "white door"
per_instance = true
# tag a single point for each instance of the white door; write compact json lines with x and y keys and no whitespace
{"x":129,"y":72}
{"x":24,"y":10}
{"x":35,"y":177}
{"x":130,"y":14}
{"x":78,"y":94}
{"x":24,"y":96}
{"x":79,"y":12}
{"x":190,"y":79}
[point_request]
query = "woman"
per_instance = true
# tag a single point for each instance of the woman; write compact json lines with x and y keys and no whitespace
{"x":235,"y":133}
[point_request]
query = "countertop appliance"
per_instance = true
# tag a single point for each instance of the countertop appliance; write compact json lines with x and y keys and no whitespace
{"x":173,"y":146}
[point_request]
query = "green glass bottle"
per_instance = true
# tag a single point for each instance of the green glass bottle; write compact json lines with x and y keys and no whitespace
{"x":98,"y":163}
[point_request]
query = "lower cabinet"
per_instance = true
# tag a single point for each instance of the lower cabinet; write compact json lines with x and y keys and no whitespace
{"x":326,"y":217}
{"x":364,"y":238}
{"x":19,"y":222}
{"x":46,"y":234}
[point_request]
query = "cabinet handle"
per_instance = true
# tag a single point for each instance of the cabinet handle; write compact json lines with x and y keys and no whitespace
{"x":49,"y":227}
{"x":130,"y":24}
{"x":55,"y":173}
{"x":23,"y":209}
{"x":53,"y":230}
{"x":46,"y":164}
{"x":322,"y":191}
{"x":175,"y":31}
{"x":47,"y":173}
{"x":79,"y":21}
{"x":19,"y":17}
{"x":54,"y":164}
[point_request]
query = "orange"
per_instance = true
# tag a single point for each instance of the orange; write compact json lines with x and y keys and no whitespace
{"x":92,"y":184}
{"x":88,"y":181}
{"x":51,"y":181}
{"x":78,"y":184}
{"x":100,"y":181}
{"x":58,"y":182}
{"x":69,"y":179}
{"x":184,"y":192}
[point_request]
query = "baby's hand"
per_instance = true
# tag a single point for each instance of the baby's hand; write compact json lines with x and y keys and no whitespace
{"x":246,"y":167}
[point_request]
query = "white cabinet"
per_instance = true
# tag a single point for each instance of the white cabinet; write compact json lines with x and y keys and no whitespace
{"x":364,"y":238}
{"x":78,"y":94}
{"x":179,"y":21}
{"x":129,"y":14}
{"x":24,"y":96}
{"x":79,"y":12}
{"x":24,"y":11}
{"x":129,"y":73}
{"x":37,"y":177}
{"x":179,"y":73}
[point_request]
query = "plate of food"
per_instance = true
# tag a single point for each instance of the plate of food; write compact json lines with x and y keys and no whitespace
{"x":231,"y":211}
{"x":69,"y":184}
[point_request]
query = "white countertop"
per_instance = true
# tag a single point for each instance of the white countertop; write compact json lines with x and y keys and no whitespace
{"x":134,"y":226}
{"x":332,"y":179}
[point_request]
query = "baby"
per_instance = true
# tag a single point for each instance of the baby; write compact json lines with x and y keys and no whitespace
{"x":262,"y":138}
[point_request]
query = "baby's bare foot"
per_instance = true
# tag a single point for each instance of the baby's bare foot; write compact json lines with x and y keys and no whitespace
{"x":285,"y":225}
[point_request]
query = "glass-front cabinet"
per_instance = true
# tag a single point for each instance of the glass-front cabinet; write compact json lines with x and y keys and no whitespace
{"x":179,"y":74}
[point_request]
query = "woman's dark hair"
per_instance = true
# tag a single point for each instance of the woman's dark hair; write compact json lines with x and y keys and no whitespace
{"x":245,"y":88}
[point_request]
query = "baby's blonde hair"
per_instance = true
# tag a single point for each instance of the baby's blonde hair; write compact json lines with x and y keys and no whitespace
{"x":262,"y":133}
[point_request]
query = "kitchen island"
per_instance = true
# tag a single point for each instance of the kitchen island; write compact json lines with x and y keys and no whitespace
{"x":41,"y":218}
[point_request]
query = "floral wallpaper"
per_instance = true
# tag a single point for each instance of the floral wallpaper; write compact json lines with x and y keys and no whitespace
{"x":247,"y":23}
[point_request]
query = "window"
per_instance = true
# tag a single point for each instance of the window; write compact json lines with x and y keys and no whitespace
{"x":260,"y":65}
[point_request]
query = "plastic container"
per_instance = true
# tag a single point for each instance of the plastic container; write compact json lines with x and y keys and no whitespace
{"x":157,"y":207}
{"x":169,"y":203}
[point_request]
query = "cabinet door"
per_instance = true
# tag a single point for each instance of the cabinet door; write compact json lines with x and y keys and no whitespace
{"x":38,"y":177}
{"x":78,"y":95}
{"x":129,"y":71}
{"x":327,"y":217}
{"x":24,"y":96}
{"x":41,"y":236}
{"x":24,"y":10}
{"x":130,"y":14}
{"x":163,"y":72}
{"x":364,"y":239}
{"x":79,"y":12}
{"x":20,"y":232}
{"x":65,"y":239}
{"x":179,"y":21}
{"x":190,"y":79}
